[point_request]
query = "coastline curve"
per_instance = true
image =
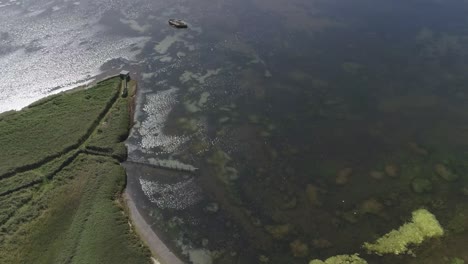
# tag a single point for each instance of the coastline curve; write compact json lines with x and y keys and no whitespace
{"x":158,"y":249}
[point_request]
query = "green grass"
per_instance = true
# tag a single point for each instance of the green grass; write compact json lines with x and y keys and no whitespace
{"x":60,"y":181}
{"x":81,"y":220}
{"x":32,"y":177}
{"x":112,"y":131}
{"x":10,"y":203}
{"x":49,"y":129}
{"x":20,"y":180}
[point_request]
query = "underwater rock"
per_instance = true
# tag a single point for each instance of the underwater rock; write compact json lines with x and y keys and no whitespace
{"x":232,"y":174}
{"x":259,"y":91}
{"x":378,"y":175}
{"x":312,"y":195}
{"x":180,"y":54}
{"x":253,"y":119}
{"x":321,"y":243}
{"x":342,"y":176}
{"x":288,"y":203}
{"x":423,"y":225}
{"x":187,"y":125}
{"x":200,"y":256}
{"x":222,"y":132}
{"x":165,"y":59}
{"x":163,"y":46}
{"x":421,"y":185}
{"x":203,"y":99}
{"x":465,"y":191}
{"x":425,"y":35}
{"x":300,"y":76}
{"x":174,"y":222}
{"x":418,"y":149}
{"x":219,"y":159}
{"x":407,"y":103}
{"x":217,"y":254}
{"x":212,"y":207}
{"x":198,"y":146}
{"x":135,"y":25}
{"x":205,"y":242}
{"x":278,"y":231}
{"x":175,"y":196}
{"x":349,"y":216}
{"x":263,"y":259}
{"x":256,"y":221}
{"x":299,"y":249}
{"x":191,"y":106}
{"x":351,"y":67}
{"x":457,"y":261}
{"x":341,"y":259}
{"x":391,"y":170}
{"x":459,"y":222}
{"x":371,"y":206}
{"x":201,"y":79}
{"x":265,"y":134}
{"x":223,"y":119}
{"x":444,"y":172}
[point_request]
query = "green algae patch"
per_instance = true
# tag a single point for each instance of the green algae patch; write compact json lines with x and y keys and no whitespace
{"x":341,"y":259}
{"x":61,"y":203}
{"x":423,"y":225}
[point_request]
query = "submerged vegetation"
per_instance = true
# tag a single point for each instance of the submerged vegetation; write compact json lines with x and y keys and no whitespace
{"x":310,"y":163}
{"x":424,"y":225}
{"x":61,"y":180}
{"x":309,"y":145}
{"x":316,"y":183}
{"x":341,"y":259}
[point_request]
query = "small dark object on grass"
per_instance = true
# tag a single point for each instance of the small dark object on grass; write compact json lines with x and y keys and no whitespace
{"x":178,"y":23}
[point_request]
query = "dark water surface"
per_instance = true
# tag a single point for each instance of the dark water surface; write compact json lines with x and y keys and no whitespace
{"x":315,"y":125}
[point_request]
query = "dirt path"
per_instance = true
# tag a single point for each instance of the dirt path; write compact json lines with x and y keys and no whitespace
{"x":159,"y":250}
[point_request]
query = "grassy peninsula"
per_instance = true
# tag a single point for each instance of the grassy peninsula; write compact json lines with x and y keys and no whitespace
{"x":61,"y":180}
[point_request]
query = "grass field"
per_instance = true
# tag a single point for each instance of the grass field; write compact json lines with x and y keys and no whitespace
{"x":49,"y":129}
{"x":112,"y":131}
{"x":61,"y":180}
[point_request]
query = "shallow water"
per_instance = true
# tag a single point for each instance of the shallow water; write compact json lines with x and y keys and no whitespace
{"x":329,"y":119}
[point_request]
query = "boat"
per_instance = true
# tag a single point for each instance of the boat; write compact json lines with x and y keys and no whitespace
{"x":178,"y":23}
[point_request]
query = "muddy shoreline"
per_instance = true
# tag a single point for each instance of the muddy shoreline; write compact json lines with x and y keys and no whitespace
{"x":157,"y":247}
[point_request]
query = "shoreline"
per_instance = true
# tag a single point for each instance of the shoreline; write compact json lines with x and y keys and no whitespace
{"x":158,"y":249}
{"x":160,"y":253}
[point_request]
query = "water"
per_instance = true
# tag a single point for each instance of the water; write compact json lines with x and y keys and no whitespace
{"x":315,"y":125}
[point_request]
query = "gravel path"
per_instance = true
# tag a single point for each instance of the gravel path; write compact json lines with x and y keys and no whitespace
{"x":158,"y":249}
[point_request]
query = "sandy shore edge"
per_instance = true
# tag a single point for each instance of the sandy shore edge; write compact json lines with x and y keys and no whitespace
{"x":157,"y":247}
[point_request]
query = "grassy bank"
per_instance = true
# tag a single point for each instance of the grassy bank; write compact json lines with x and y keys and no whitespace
{"x":61,"y":180}
{"x":52,"y":127}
